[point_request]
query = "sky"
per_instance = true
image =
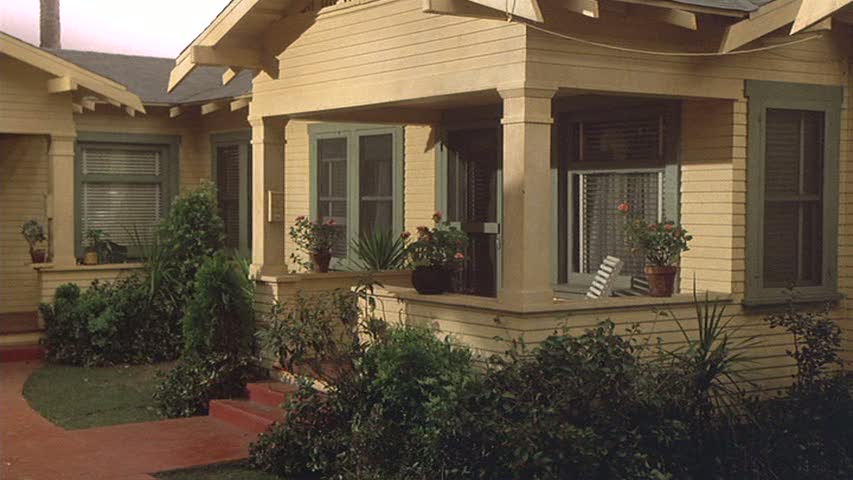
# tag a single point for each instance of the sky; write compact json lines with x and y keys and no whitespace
{"x":159,"y":28}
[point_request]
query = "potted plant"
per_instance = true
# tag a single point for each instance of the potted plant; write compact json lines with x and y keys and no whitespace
{"x":94,"y":241}
{"x":33,"y":232}
{"x":315,"y":239}
{"x":435,"y":254}
{"x":660,"y":243}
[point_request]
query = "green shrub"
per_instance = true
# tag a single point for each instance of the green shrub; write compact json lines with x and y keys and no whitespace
{"x":378,"y":251}
{"x":192,"y":232}
{"x":108,"y":324}
{"x":220,"y":316}
{"x":187,"y":389}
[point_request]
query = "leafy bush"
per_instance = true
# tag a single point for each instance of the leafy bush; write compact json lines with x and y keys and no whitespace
{"x":109,"y":323}
{"x":378,"y":251}
{"x":187,"y":389}
{"x":220,"y":316}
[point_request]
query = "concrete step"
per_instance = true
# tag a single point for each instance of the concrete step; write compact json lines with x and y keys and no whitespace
{"x":271,"y":394}
{"x":20,"y":338}
{"x":21,"y":353}
{"x":246,"y":414}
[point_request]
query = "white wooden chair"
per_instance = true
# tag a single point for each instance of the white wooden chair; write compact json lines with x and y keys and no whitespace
{"x":605,"y":277}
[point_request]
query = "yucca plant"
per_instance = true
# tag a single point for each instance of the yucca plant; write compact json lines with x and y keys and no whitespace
{"x":377,"y":251}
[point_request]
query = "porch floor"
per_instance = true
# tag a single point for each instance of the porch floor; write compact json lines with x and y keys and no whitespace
{"x":34,"y":449}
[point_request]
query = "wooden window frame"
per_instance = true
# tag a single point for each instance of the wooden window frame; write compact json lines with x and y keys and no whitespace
{"x":764,"y":95}
{"x":169,"y":147}
{"x":352,"y":132}
{"x":243,"y":140}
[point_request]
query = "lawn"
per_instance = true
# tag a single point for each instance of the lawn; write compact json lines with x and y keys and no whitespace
{"x":76,"y":397}
{"x":231,"y":471}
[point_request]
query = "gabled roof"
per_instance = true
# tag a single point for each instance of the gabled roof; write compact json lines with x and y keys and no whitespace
{"x":148,"y":77}
{"x":69,"y":75}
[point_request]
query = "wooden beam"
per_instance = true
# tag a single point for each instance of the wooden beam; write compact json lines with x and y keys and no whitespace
{"x":211,"y":107}
{"x":229,"y":75}
{"x":240,"y":103}
{"x":88,"y":104}
{"x":461,"y":8}
{"x":130,"y":111}
{"x":77,"y":108}
{"x":227,"y":56}
{"x":175,"y":112}
{"x":824,"y":25}
{"x":671,"y":16}
{"x":61,"y":85}
{"x":813,"y":11}
{"x":587,"y":8}
{"x":746,"y":31}
{"x":182,"y":69}
{"x":114,"y":103}
{"x":528,"y":9}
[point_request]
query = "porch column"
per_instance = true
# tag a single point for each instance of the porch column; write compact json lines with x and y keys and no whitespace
{"x":268,"y":195}
{"x":61,"y":215}
{"x":527,"y":196}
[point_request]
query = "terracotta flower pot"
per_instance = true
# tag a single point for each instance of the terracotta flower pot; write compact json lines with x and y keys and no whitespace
{"x":661,"y":280}
{"x":321,"y":261}
{"x":431,"y":280}
{"x":90,"y":258}
{"x":38,"y":255}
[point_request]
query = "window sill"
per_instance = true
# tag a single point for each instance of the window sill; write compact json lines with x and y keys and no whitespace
{"x":50,"y":267}
{"x":828,"y":297}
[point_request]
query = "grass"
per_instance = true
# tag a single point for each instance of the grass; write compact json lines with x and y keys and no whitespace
{"x":231,"y":471}
{"x":76,"y":397}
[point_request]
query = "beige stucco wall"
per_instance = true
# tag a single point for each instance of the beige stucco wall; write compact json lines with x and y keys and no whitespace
{"x":23,"y":190}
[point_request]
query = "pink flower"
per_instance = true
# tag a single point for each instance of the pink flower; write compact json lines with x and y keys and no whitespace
{"x":405,"y":235}
{"x":436,"y":217}
{"x":678,"y":232}
{"x":653,"y":227}
{"x":422,"y":231}
{"x":624,"y":207}
{"x":459,"y":256}
{"x":668,"y":227}
{"x":330,"y":222}
{"x":300,"y":218}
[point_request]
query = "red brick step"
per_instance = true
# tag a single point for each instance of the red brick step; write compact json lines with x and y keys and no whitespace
{"x":246,"y":414}
{"x":21,"y":353}
{"x":271,"y":394}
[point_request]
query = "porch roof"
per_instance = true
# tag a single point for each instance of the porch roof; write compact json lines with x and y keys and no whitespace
{"x":69,"y":76}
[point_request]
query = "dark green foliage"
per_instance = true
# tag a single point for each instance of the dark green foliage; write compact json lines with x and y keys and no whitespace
{"x":187,"y":389}
{"x":220,"y":317}
{"x":379,"y":250}
{"x":108,"y":324}
{"x":192,"y":232}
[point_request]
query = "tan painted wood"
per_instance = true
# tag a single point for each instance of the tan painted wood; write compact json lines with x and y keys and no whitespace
{"x":686,"y":7}
{"x":229,"y":75}
{"x":183,"y":68}
{"x":746,"y":31}
{"x":813,"y":11}
{"x":240,"y":104}
{"x":211,"y":107}
{"x":77,"y":108}
{"x":672,"y":16}
{"x":462,"y":8}
{"x":61,"y":85}
{"x":528,"y":9}
{"x":175,"y":112}
{"x":587,"y":8}
{"x":88,"y":104}
{"x":235,"y":57}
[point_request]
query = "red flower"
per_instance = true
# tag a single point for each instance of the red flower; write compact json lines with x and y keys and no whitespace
{"x":678,"y":232}
{"x":422,"y":231}
{"x":300,"y":218}
{"x":653,"y":227}
{"x":624,"y":207}
{"x":459,"y":256}
{"x":405,"y":235}
{"x":436,"y":217}
{"x":330,"y":222}
{"x":668,"y":227}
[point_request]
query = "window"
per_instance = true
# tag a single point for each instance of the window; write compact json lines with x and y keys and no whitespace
{"x":610,"y":157}
{"x":357,"y":180}
{"x":232,"y":173}
{"x":792,"y":191}
{"x":123,"y":189}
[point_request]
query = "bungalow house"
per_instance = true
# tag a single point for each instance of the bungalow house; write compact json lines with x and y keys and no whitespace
{"x":528,"y":122}
{"x":92,"y":140}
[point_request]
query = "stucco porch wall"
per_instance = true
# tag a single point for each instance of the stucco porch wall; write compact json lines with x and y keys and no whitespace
{"x":487,"y":326}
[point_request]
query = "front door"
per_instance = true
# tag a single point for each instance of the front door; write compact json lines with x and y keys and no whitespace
{"x":234,"y":187}
{"x":474,"y":202}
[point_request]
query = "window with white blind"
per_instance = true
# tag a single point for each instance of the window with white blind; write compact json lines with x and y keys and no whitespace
{"x":123,"y":190}
{"x":792,"y":192}
{"x":357,"y":180}
{"x":613,"y":157}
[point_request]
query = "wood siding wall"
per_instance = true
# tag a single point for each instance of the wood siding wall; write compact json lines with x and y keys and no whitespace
{"x":386,"y":51}
{"x":81,"y":276}
{"x":25,"y":105}
{"x":23,"y":188}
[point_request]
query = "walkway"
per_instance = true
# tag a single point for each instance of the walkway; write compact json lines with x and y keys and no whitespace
{"x":32,"y":448}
